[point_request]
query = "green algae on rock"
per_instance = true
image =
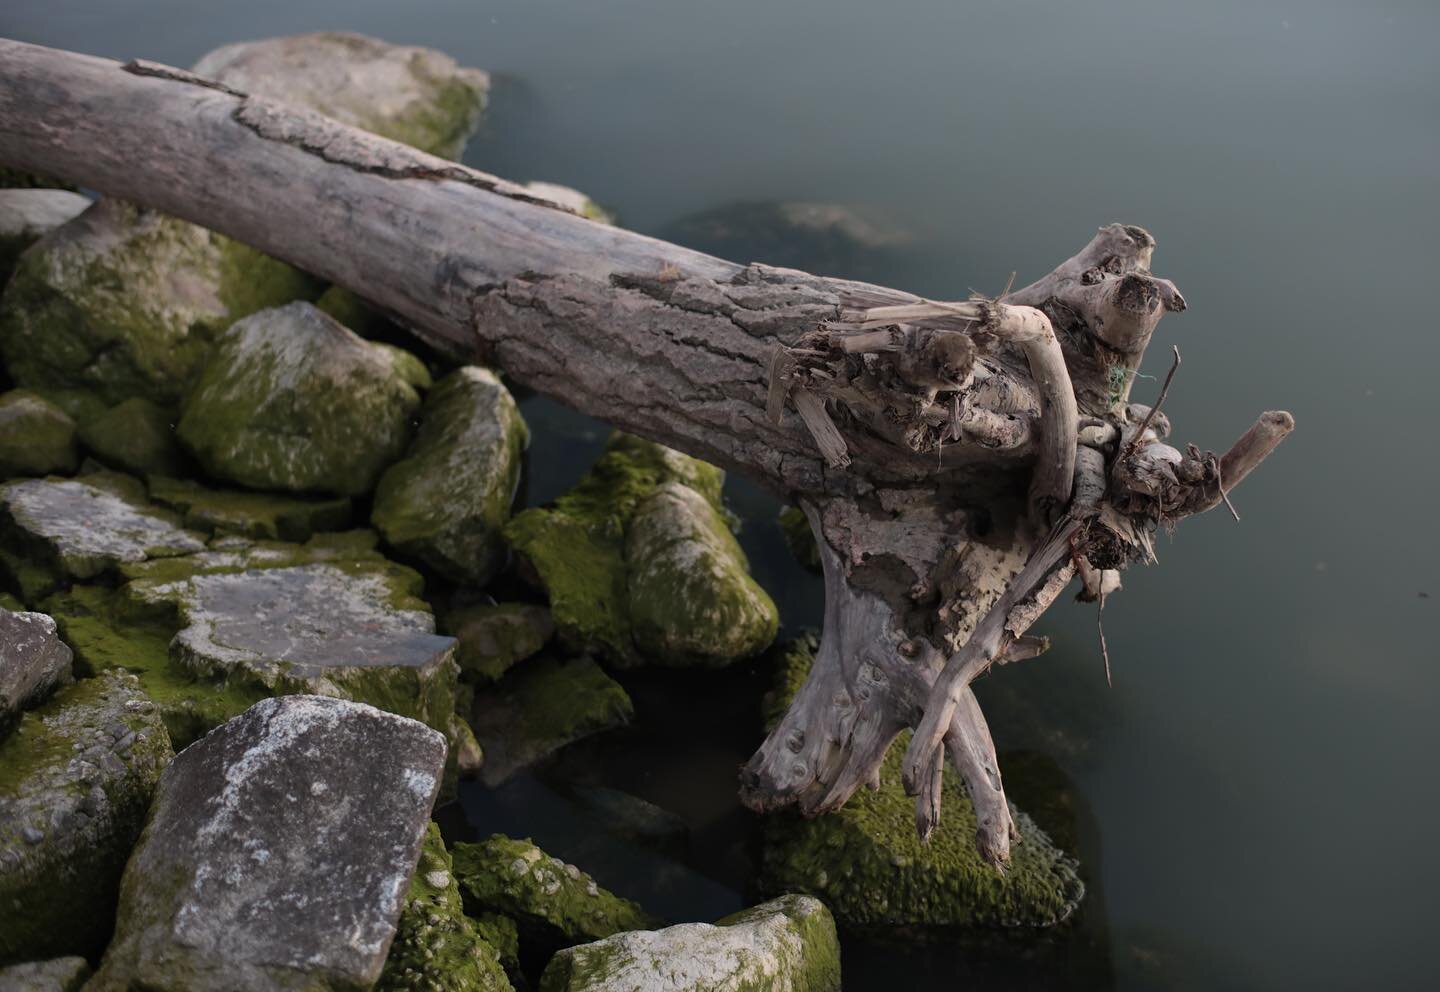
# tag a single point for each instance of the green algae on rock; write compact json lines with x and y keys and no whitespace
{"x":866,"y":863}
{"x":436,"y":945}
{"x":75,"y":783}
{"x":28,"y":214}
{"x":36,"y":436}
{"x":135,"y":436}
{"x":540,"y":707}
{"x":577,"y":549}
{"x":291,"y":400}
{"x":124,"y":302}
{"x":264,"y":516}
{"x":495,"y":637}
{"x":445,"y":502}
{"x":785,"y":944}
{"x":553,"y":904}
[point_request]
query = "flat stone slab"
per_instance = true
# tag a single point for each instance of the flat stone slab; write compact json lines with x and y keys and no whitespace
{"x":75,"y":781}
{"x":34,"y":662}
{"x":265,"y":516}
{"x":278,"y":852}
{"x":788,"y":943}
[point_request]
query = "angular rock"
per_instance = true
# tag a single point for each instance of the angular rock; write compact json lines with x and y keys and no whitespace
{"x":28,"y":214}
{"x":542,"y":706}
{"x":135,"y":436}
{"x":291,"y":400}
{"x":691,"y":598}
{"x":75,"y":781}
{"x":264,"y":516}
{"x":445,"y":502}
{"x":33,"y":663}
{"x":553,"y":904}
{"x":495,"y":637}
{"x":124,"y":302}
{"x":75,"y":529}
{"x":278,"y":852}
{"x":576,"y":549}
{"x":36,"y":436}
{"x":415,"y":95}
{"x":866,"y":863}
{"x":436,"y":945}
{"x":55,"y":975}
{"x":788,"y":943}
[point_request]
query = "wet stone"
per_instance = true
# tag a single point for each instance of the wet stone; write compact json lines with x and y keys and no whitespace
{"x":75,"y":782}
{"x":36,"y":436}
{"x":278,"y":852}
{"x":33,"y":663}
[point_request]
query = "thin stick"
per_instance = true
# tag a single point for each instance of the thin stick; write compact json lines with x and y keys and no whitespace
{"x":1145,"y":424}
{"x":1100,"y":626}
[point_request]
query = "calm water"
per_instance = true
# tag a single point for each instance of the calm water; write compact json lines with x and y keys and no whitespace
{"x":1258,"y":792}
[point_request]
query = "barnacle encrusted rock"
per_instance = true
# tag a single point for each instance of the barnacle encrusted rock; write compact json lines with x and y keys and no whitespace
{"x":36,"y":436}
{"x":33,"y":663}
{"x":785,"y":944}
{"x":135,"y":436}
{"x":278,"y":852}
{"x":264,"y":516}
{"x":445,"y":502}
{"x":540,"y":707}
{"x":866,"y":863}
{"x":554,"y":904}
{"x":291,"y":400}
{"x":75,"y":781}
{"x":577,"y":549}
{"x":436,"y":945}
{"x":495,"y":637}
{"x":28,"y":214}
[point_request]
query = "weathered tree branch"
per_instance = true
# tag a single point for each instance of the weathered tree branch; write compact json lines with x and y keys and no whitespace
{"x":959,"y":462}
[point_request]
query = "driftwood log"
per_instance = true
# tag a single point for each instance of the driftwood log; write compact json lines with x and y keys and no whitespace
{"x":960,"y":462}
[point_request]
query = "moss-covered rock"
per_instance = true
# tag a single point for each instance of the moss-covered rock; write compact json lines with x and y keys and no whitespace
{"x":55,"y":975}
{"x":495,"y":637}
{"x":135,"y":436}
{"x":36,"y":436}
{"x":576,"y":547}
{"x":436,"y":946}
{"x":75,"y":781}
{"x":500,"y":932}
{"x":788,"y":943}
{"x":265,"y":516}
{"x":124,"y":302}
{"x":866,"y":863}
{"x":354,"y":313}
{"x":690,"y":596}
{"x":291,"y":400}
{"x":540,"y":707}
{"x":28,"y":214}
{"x":445,"y":502}
{"x":553,"y":904}
{"x":799,"y":538}
{"x":415,"y":95}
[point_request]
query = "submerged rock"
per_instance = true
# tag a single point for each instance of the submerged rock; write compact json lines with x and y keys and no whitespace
{"x":415,"y":95}
{"x":33,"y":663}
{"x":436,"y":945}
{"x":55,"y":975}
{"x":788,"y":943}
{"x":123,"y":302}
{"x":577,"y":548}
{"x":28,"y":214}
{"x":278,"y":852}
{"x":445,"y":502}
{"x":866,"y":863}
{"x":542,"y":706}
{"x":264,"y":516}
{"x":291,"y":400}
{"x":135,"y":436}
{"x":75,"y":782}
{"x":36,"y":436}
{"x":554,"y":904}
{"x":495,"y":637}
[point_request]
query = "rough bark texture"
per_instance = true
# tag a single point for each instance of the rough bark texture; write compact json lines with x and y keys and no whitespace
{"x":959,"y":462}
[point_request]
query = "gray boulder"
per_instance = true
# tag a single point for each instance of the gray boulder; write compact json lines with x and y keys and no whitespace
{"x":36,"y":436}
{"x":33,"y":663}
{"x":785,"y":945}
{"x":55,"y":975}
{"x":75,"y":782}
{"x":445,"y":502}
{"x":27,"y":214}
{"x":278,"y":852}
{"x":291,"y":400}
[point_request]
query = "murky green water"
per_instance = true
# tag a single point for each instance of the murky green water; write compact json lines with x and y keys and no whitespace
{"x":1257,"y":791}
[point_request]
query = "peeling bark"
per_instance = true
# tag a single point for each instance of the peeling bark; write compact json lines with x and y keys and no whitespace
{"x":959,"y":462}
